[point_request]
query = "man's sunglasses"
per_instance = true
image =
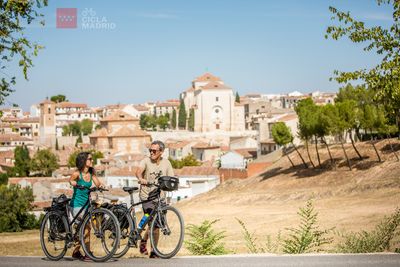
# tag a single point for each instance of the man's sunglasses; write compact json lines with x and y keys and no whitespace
{"x":153,"y":150}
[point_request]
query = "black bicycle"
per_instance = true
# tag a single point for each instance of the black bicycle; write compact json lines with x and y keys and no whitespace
{"x":165,"y":222}
{"x":97,"y":229}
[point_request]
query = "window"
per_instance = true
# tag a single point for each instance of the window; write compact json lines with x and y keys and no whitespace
{"x":217,"y":111}
{"x":49,"y":110}
{"x":216,"y":99}
{"x":217,"y":126}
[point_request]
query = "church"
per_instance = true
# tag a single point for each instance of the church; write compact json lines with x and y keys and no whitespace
{"x":214,"y":105}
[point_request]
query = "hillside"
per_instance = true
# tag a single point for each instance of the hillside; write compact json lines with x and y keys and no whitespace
{"x":267,"y":203}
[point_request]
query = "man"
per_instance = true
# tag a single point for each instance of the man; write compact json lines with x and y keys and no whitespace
{"x":149,"y":170}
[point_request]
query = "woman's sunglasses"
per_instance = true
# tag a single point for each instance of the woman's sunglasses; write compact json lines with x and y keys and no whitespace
{"x":89,"y":158}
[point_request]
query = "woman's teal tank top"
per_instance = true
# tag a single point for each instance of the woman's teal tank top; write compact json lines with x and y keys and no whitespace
{"x":80,"y":196}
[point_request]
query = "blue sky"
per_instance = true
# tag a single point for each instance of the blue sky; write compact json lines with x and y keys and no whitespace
{"x":158,"y":47}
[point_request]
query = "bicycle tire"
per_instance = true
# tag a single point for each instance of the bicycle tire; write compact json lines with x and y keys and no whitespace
{"x":125,"y":234}
{"x":54,"y":233}
{"x":109,"y":227}
{"x":175,"y":219}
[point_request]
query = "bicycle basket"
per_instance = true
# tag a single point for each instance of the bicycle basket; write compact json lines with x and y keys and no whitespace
{"x":120,"y":212}
{"x":60,"y":203}
{"x":168,"y":183}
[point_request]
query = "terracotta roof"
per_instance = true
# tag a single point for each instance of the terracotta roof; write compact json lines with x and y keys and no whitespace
{"x":288,"y":117}
{"x":140,"y":108}
{"x":70,"y":105}
{"x":202,"y":145}
{"x":214,"y":85}
{"x":125,"y":131}
{"x":119,"y":115}
{"x":30,"y":120}
{"x":167,"y":104}
{"x":178,"y":144}
{"x":47,"y":101}
{"x":14,"y":125}
{"x":245,"y":152}
{"x":13,"y":137}
{"x":9,"y":154}
{"x":196,"y":171}
{"x":207,"y":77}
{"x":102,"y":132}
{"x":267,"y":141}
{"x":116,"y":106}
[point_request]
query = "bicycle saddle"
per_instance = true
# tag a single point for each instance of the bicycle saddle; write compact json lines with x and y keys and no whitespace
{"x":130,"y":189}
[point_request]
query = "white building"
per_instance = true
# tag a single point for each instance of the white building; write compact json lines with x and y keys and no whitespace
{"x":214,"y":105}
{"x":233,"y":160}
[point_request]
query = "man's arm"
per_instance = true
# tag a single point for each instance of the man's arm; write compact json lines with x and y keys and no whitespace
{"x":139,"y":173}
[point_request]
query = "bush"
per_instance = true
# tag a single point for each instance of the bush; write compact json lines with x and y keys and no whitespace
{"x":189,"y":160}
{"x":15,"y":204}
{"x":377,"y":240}
{"x":3,"y":178}
{"x":204,"y":240}
{"x":307,"y":237}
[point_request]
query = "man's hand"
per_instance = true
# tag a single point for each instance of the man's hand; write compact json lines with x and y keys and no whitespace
{"x":142,"y":181}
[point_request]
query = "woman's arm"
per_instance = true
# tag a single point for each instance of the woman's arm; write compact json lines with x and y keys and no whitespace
{"x":97,"y":181}
{"x":73,"y":180}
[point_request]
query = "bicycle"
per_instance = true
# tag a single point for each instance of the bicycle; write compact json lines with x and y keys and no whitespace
{"x":96,"y":224}
{"x":165,"y":220}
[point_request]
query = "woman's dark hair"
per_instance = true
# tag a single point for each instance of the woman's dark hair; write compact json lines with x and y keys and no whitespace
{"x":81,"y":159}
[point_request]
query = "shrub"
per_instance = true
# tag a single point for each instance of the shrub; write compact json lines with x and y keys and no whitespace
{"x":307,"y":237}
{"x":204,"y":240}
{"x":377,"y":240}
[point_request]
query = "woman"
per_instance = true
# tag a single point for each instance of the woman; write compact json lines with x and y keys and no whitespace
{"x":84,"y":176}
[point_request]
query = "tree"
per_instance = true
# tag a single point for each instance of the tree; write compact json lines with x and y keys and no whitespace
{"x":152,"y":122}
{"x":191,"y":120}
{"x":3,"y":178}
{"x":182,"y":115}
{"x":144,"y":119}
{"x":44,"y":162}
{"x":57,"y":148}
{"x":350,"y":116}
{"x":79,"y":140}
{"x":173,"y":119}
{"x":326,"y":125}
{"x":59,"y":98}
{"x":66,"y":130}
{"x":282,"y":136}
{"x":21,"y":161}
{"x":189,"y":160}
{"x":384,"y":78}
{"x":162,"y":122}
{"x":86,"y":126}
{"x":14,"y":207}
{"x":306,"y":111}
{"x":75,"y":128}
{"x":13,"y":43}
{"x":237,"y":98}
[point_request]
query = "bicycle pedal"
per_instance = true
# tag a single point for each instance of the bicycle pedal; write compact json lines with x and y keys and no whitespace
{"x":70,"y":244}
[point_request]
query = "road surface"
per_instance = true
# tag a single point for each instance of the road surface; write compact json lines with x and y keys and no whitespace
{"x":381,"y":260}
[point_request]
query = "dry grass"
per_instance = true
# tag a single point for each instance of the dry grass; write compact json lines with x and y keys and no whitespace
{"x":267,"y":203}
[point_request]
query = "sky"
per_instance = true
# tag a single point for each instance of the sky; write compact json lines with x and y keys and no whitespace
{"x":151,"y":50}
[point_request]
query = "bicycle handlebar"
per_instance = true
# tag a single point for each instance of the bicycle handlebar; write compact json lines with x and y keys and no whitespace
{"x":93,"y":189}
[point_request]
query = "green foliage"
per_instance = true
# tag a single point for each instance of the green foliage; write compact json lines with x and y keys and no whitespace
{"x":15,"y":203}
{"x":191,"y":120}
{"x":22,"y":162}
{"x":3,"y":178}
{"x":250,"y":239}
{"x":307,"y":237}
{"x":78,"y":140}
{"x":57,"y":147}
{"x":14,"y":43}
{"x":162,"y":122}
{"x":189,"y":160}
{"x":281,"y":134}
{"x":382,"y":79}
{"x":59,"y":98}
{"x":44,"y":162}
{"x":237,"y":98}
{"x":173,"y":119}
{"x":307,"y":112}
{"x":95,"y":154}
{"x":204,"y":240}
{"x":143,"y":121}
{"x":182,"y":115}
{"x":377,"y":240}
{"x":86,"y":126}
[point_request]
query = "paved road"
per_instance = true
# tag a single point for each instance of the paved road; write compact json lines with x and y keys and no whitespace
{"x":222,"y":261}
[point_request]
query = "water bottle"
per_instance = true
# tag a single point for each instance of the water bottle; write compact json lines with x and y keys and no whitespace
{"x":143,"y":220}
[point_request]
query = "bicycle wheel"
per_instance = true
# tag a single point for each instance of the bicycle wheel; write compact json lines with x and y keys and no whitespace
{"x":166,"y":232}
{"x":53,"y":235}
{"x":100,"y":234}
{"x":126,"y":226}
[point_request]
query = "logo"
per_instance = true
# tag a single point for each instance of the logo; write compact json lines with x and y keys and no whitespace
{"x":66,"y":18}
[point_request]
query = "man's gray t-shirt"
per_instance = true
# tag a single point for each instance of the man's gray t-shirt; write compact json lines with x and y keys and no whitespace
{"x":151,"y":171}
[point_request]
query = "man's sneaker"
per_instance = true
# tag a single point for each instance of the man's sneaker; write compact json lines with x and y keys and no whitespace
{"x":86,"y":258}
{"x":153,"y":255}
{"x":142,"y":247}
{"x":77,"y":255}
